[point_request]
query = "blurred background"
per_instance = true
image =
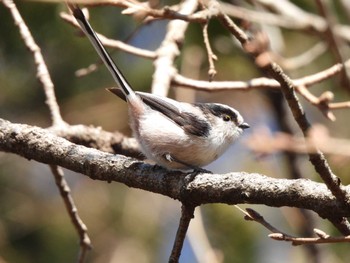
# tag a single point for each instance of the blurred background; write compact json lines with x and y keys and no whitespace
{"x":129,"y":225}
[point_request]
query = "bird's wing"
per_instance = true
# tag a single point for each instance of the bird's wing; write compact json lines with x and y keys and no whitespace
{"x":189,"y":122}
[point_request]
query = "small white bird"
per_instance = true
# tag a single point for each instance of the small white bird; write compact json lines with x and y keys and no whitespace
{"x":175,"y":135}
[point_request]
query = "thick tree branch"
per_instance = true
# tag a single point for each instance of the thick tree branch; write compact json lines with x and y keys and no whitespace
{"x":232,"y":188}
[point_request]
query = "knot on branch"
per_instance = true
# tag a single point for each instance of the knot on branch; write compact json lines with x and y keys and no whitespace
{"x":259,"y":47}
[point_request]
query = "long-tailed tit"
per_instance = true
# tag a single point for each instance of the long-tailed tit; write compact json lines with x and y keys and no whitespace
{"x":174,"y":134}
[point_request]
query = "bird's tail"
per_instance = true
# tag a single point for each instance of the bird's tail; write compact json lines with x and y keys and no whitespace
{"x":106,"y":58}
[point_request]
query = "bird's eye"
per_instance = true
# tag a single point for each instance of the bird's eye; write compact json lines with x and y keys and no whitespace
{"x":226,"y":117}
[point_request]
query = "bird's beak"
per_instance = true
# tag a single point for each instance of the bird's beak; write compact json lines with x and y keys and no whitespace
{"x":244,"y":126}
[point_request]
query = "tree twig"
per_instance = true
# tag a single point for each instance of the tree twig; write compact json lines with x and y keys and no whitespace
{"x":113,"y":43}
{"x":186,"y":216}
{"x":333,"y":40}
{"x":304,"y":59}
{"x":170,"y":49}
{"x":263,"y":82}
{"x":251,"y":214}
{"x":85,"y":243}
{"x":211,"y":56}
{"x":296,"y":241}
{"x":42,"y":71}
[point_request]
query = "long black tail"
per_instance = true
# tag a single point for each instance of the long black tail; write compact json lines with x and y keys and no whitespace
{"x":102,"y":52}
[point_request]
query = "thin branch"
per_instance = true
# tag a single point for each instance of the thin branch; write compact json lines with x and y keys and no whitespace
{"x":142,"y":9}
{"x":226,"y":85}
{"x":288,"y":15}
{"x":42,"y":71}
{"x":333,"y":40}
{"x":94,"y":66}
{"x":322,"y":238}
{"x":85,"y":243}
{"x":303,"y":59}
{"x":302,"y":19}
{"x":252,"y":215}
{"x":169,"y":13}
{"x":45,"y":80}
{"x":211,"y":56}
{"x":263,"y":61}
{"x":261,"y":16}
{"x":322,"y":75}
{"x":317,"y":159}
{"x":170,"y":49}
{"x":95,"y":137}
{"x":267,"y":83}
{"x":186,"y":216}
{"x":339,"y":105}
{"x":305,"y":218}
{"x":296,"y":241}
{"x":113,"y":43}
{"x":322,"y":102}
{"x":318,"y":136}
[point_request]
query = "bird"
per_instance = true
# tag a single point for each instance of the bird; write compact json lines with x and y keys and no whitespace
{"x":175,"y":135}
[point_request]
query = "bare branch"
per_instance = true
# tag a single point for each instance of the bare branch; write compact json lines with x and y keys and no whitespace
{"x":225,"y":85}
{"x":303,"y":59}
{"x":296,"y":241}
{"x":322,"y":102}
{"x":95,"y":137}
{"x":211,"y":56}
{"x":81,"y":228}
{"x":317,"y":138}
{"x":232,"y":188}
{"x":261,"y":16}
{"x":42,"y":71}
{"x":322,"y":238}
{"x":252,"y":215}
{"x":263,"y":82}
{"x":333,"y":40}
{"x":263,"y":61}
{"x":288,"y":89}
{"x":48,"y":86}
{"x":170,"y":49}
{"x":317,"y":159}
{"x":113,"y":43}
{"x":186,"y":216}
